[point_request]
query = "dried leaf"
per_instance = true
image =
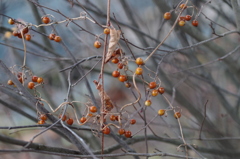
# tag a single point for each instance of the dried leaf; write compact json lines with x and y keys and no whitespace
{"x":114,"y":38}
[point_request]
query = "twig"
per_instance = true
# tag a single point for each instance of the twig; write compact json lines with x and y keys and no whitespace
{"x":205,"y":115}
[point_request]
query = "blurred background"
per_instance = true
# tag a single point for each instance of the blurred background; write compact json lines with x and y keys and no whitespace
{"x":197,"y":66}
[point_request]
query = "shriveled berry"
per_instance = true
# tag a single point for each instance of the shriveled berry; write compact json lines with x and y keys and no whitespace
{"x":51,"y":36}
{"x":177,"y":115}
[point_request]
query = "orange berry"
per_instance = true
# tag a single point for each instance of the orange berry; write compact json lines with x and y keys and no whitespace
{"x":183,"y":6}
{"x":10,"y":82}
{"x":127,"y":84}
{"x":11,"y":21}
{"x":115,"y":60}
{"x":83,"y":119}
{"x":132,"y":121}
{"x":154,"y":92}
{"x":57,"y":39}
{"x":97,"y":44}
{"x":161,"y":90}
{"x":40,"y":122}
{"x":161,"y":112}
{"x":20,"y":79}
{"x":51,"y":36}
{"x":112,"y":117}
{"x":106,"y":31}
{"x":195,"y":23}
{"x":139,"y":71}
{"x":70,"y":121}
{"x":177,"y":115}
{"x":128,"y":134}
{"x":116,"y":73}
{"x":122,"y":78}
{"x":15,"y":33}
{"x":121,"y":131}
{"x":148,"y":102}
{"x":106,"y":130}
{"x":25,"y":30}
{"x":93,"y":109}
{"x":31,"y":85}
{"x":167,"y":15}
{"x":63,"y":118}
{"x":152,"y":85}
{"x":188,"y":17}
{"x":40,"y":80}
{"x":46,"y":20}
{"x":120,"y":65}
{"x":34,"y":78}
{"x":28,"y":37}
{"x":181,"y":23}
{"x":139,"y":61}
{"x":43,"y":117}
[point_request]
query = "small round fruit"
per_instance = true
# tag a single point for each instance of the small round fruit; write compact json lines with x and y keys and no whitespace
{"x":46,"y":20}
{"x":139,"y":71}
{"x":112,"y":117}
{"x":40,"y":80}
{"x":51,"y":36}
{"x":11,"y":21}
{"x":182,"y":18}
{"x":121,"y":131}
{"x":10,"y":82}
{"x":122,"y":78}
{"x":106,"y":31}
{"x":120,"y":65}
{"x":177,"y":115}
{"x":116,"y":73}
{"x":152,"y":85}
{"x":188,"y":17}
{"x":115,"y":60}
{"x":43,"y":117}
{"x":183,"y":6}
{"x":139,"y":61}
{"x":28,"y":37}
{"x":40,"y":122}
{"x":128,"y":134}
{"x":161,"y":90}
{"x":34,"y":78}
{"x":154,"y":92}
{"x":181,"y":23}
{"x":57,"y":39}
{"x":83,"y":119}
{"x":167,"y":15}
{"x":20,"y":79}
{"x":127,"y":84}
{"x":132,"y":121}
{"x":148,"y":102}
{"x":19,"y":35}
{"x":195,"y":23}
{"x":63,"y":118}
{"x":70,"y":121}
{"x":161,"y":112}
{"x":15,"y":33}
{"x":31,"y":85}
{"x":97,"y":44}
{"x":25,"y":30}
{"x":93,"y":109}
{"x":106,"y":130}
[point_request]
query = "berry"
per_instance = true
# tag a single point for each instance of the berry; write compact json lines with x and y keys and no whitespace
{"x":19,"y":35}
{"x":28,"y":37}
{"x":10,"y":82}
{"x":43,"y":117}
{"x":19,"y":74}
{"x":182,"y":18}
{"x":122,"y":78}
{"x":51,"y":36}
{"x":93,"y":109}
{"x":139,"y":71}
{"x":25,"y":30}
{"x":139,"y":61}
{"x":83,"y":119}
{"x":20,"y":79}
{"x":167,"y":15}
{"x":106,"y":130}
{"x":181,"y":23}
{"x":11,"y":21}
{"x":148,"y":102}
{"x":121,"y":131}
{"x":40,"y":122}
{"x":154,"y":92}
{"x":161,"y":112}
{"x":31,"y":85}
{"x":183,"y":6}
{"x":195,"y":23}
{"x":152,"y":85}
{"x":15,"y":33}
{"x":161,"y":90}
{"x":63,"y":118}
{"x":127,"y":84}
{"x":70,"y":121}
{"x":57,"y":39}
{"x":97,"y":44}
{"x":115,"y":60}
{"x":132,"y":121}
{"x":45,"y":20}
{"x":177,"y":115}
{"x":188,"y":17}
{"x":40,"y":80}
{"x":116,"y":73}
{"x":120,"y":65}
{"x":112,"y":117}
{"x":128,"y":134}
{"x":106,"y":31}
{"x":34,"y":78}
